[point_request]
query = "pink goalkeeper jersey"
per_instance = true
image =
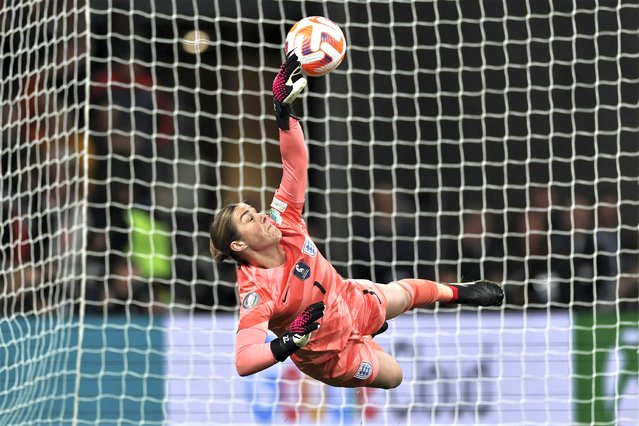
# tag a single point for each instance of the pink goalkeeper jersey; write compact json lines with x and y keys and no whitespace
{"x":274,"y":297}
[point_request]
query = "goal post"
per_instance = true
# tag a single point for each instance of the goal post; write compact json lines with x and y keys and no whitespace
{"x":457,"y":141}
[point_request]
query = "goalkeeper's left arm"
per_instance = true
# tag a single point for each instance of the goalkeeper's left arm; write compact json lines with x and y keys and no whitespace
{"x":253,"y":355}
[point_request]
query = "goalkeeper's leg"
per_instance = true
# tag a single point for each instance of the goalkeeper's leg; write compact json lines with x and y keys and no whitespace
{"x":390,"y":374}
{"x":407,"y":294}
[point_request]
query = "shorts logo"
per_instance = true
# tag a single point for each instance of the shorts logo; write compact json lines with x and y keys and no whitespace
{"x":275,"y":216}
{"x":309,"y":247}
{"x":301,"y":270}
{"x":279,"y":205}
{"x":251,"y":300}
{"x":365,"y":370}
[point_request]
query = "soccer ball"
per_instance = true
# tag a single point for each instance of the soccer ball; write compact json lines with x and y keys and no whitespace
{"x":318,"y":43}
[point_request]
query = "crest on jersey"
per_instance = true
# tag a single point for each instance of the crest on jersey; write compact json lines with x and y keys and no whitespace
{"x":251,"y":300}
{"x":365,"y":370}
{"x":275,"y":216}
{"x":309,"y":247}
{"x":279,"y":205}
{"x":301,"y":270}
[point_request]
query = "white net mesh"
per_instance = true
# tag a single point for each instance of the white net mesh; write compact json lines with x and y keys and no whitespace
{"x":43,"y":221}
{"x":457,"y":141}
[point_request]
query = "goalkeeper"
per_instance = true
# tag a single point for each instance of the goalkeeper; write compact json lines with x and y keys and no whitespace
{"x":324,"y":323}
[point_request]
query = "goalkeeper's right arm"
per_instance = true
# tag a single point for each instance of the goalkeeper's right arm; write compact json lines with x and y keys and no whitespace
{"x":287,"y":85}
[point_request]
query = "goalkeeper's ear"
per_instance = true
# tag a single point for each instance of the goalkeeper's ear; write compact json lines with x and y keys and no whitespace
{"x":238,"y":246}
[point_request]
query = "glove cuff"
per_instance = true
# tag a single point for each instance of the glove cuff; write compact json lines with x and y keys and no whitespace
{"x":283,"y":347}
{"x":282,"y":114}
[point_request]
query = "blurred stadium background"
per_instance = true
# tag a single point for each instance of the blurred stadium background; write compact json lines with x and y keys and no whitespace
{"x":457,"y":141}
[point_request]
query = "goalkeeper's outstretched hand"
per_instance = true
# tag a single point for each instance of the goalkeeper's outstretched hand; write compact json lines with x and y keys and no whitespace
{"x":299,"y":332}
{"x":288,"y":83}
{"x":478,"y":293}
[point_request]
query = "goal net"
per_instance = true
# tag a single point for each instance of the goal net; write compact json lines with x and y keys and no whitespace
{"x":43,"y":224}
{"x":457,"y":141}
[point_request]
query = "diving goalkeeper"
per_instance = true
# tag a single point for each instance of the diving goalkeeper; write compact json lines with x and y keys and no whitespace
{"x":324,"y":323}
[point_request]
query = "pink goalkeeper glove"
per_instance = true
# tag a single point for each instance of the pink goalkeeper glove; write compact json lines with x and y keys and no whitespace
{"x":288,"y":83}
{"x":299,"y":332}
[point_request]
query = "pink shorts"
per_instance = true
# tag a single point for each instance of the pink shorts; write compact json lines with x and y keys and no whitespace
{"x":357,"y":364}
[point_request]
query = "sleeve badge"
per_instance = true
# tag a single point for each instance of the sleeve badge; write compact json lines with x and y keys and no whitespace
{"x":251,"y":300}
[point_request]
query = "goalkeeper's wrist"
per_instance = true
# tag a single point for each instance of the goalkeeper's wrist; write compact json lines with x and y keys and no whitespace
{"x":283,"y":347}
{"x":282,"y":115}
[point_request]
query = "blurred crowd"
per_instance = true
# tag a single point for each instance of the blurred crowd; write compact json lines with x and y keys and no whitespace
{"x":145,"y":258}
{"x":147,"y":252}
{"x":553,"y":253}
{"x":142,"y":254}
{"x":131,"y":249}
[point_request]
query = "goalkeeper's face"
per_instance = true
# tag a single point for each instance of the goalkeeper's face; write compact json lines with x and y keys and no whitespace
{"x":257,"y":231}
